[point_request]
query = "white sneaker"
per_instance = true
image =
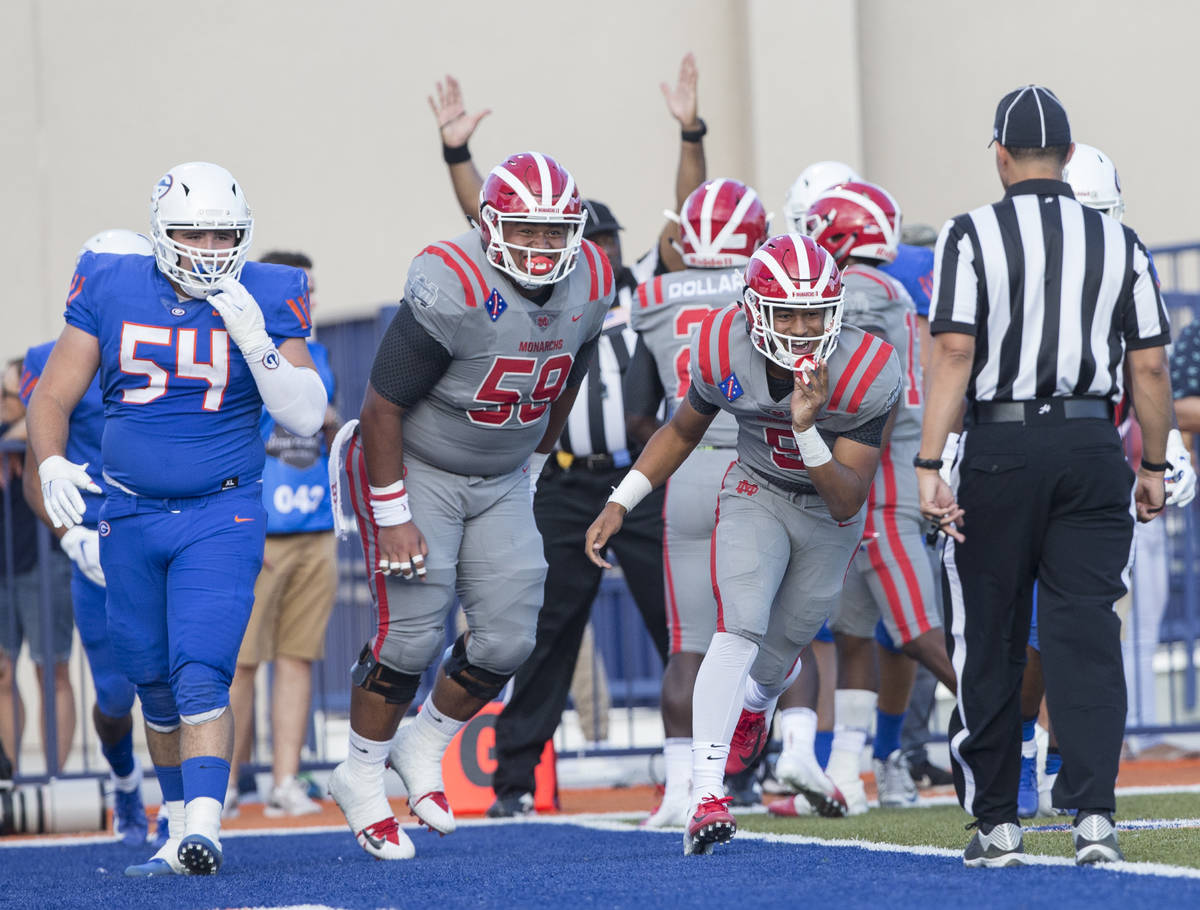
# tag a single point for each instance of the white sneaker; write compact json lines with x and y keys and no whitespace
{"x":894,"y":782}
{"x":230,"y":809}
{"x":422,"y":781}
{"x":801,"y":772}
{"x":290,"y":798}
{"x":370,"y":817}
{"x":855,"y":795}
{"x":671,"y":812}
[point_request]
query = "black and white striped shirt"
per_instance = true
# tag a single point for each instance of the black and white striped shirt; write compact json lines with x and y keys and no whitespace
{"x":1053,"y":291}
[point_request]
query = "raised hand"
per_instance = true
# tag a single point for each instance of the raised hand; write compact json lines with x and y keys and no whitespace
{"x":682,"y":99}
{"x":454,"y":123}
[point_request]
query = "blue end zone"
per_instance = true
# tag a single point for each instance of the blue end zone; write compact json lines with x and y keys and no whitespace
{"x":558,"y":865}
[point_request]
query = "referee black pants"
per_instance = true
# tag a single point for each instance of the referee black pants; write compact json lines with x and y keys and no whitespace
{"x":1051,"y":503}
{"x":566,"y":504}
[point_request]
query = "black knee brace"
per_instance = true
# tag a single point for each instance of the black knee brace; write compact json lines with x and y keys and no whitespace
{"x":397,"y":688}
{"x":477,"y":681}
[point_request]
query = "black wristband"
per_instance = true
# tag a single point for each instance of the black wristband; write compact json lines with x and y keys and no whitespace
{"x":455,"y":154}
{"x":929,"y":464}
{"x":694,"y":135}
{"x":1150,"y":466}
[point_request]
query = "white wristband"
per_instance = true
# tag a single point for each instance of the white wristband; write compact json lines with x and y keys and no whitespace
{"x":633,"y":489}
{"x":812,"y":448}
{"x":389,"y":505}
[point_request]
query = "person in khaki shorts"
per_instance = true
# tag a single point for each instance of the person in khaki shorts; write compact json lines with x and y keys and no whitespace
{"x":294,"y":594}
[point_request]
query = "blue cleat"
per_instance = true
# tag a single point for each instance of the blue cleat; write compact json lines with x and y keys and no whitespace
{"x":1027,"y":795}
{"x":199,"y":856}
{"x":129,"y":817}
{"x":164,"y":862}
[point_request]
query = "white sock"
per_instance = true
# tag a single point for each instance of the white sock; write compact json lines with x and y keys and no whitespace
{"x":432,"y":731}
{"x":365,"y":759}
{"x":132,"y":781}
{"x":717,"y":701}
{"x":677,"y":759}
{"x":854,"y":710}
{"x":176,"y":819}
{"x":798,"y":728}
{"x":203,"y":816}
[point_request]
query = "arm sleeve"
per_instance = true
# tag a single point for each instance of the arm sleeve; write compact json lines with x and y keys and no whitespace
{"x":583,"y":360}
{"x":871,"y":432}
{"x":954,"y":304}
{"x":701,"y":405}
{"x":409,"y":361}
{"x":643,"y":390}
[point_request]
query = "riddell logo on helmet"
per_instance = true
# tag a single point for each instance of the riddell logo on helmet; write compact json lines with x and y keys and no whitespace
{"x":745,"y":486}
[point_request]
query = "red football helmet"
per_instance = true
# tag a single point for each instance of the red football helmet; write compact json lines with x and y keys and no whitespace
{"x":858,"y":219}
{"x":721,"y":224}
{"x":790,"y":271}
{"x":531,"y":187}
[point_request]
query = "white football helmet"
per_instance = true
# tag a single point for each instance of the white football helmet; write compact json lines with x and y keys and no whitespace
{"x":119,"y":242}
{"x":1093,"y":178}
{"x":812,"y":182}
{"x":199,"y":195}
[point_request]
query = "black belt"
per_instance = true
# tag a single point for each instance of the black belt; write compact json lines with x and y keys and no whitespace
{"x":1042,"y":410}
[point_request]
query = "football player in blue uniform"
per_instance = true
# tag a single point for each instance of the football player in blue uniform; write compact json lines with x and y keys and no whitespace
{"x":190,"y":346}
{"x":112,"y":713}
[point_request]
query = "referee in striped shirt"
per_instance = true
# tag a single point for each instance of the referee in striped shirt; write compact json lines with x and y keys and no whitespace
{"x":1042,"y":311}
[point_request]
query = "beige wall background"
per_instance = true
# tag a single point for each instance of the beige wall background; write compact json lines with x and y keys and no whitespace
{"x":319,"y":109}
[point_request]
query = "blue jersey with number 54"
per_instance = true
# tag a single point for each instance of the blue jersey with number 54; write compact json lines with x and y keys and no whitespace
{"x":181,"y":407}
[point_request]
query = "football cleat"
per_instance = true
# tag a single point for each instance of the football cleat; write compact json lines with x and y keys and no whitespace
{"x":1001,"y":846}
{"x":1095,"y":840}
{"x":791,"y":807}
{"x":854,"y":793}
{"x":200,"y":855}
{"x":711,"y":823}
{"x":803,"y":774}
{"x":672,"y":812}
{"x":894,"y":782}
{"x":515,"y":805}
{"x":749,"y":740}
{"x":129,"y":817}
{"x":422,"y":781}
{"x":370,"y":817}
{"x":164,"y":862}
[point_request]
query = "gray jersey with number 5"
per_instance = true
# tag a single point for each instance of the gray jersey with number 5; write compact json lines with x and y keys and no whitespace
{"x":512,"y":357}
{"x":729,"y":372}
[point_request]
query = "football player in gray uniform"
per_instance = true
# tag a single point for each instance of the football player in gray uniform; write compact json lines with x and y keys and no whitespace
{"x":722,"y":222}
{"x":814,"y":403}
{"x":469,"y":390}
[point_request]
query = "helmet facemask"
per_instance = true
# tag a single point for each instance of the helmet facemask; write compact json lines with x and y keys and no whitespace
{"x":792,"y":352}
{"x":199,"y":196}
{"x":545,"y":265}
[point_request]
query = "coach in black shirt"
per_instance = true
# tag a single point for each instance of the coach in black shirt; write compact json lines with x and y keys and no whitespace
{"x":1041,"y":308}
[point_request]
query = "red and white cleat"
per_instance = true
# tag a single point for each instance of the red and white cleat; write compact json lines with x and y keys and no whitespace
{"x":711,"y":823}
{"x":749,"y":740}
{"x":370,"y":817}
{"x":422,"y":781}
{"x":790,"y":807}
{"x":805,"y":776}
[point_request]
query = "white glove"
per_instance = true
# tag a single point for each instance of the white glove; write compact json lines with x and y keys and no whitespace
{"x":243,"y":319}
{"x":1180,"y":480}
{"x":83,"y":546}
{"x":61,"y":482}
{"x":949,"y":451}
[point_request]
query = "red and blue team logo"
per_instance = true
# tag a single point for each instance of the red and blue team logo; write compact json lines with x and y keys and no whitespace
{"x":730,"y":387}
{"x":104,"y":528}
{"x":495,"y":305}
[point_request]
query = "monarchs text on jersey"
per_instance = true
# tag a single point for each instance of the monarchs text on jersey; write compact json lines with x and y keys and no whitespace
{"x":181,"y":407}
{"x":510,"y":356}
{"x":729,"y":372}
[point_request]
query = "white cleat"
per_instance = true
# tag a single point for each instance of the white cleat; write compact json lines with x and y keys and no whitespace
{"x":802,"y":773}
{"x":855,"y":794}
{"x":894,"y":782}
{"x":370,"y":817}
{"x":422,"y":781}
{"x":671,"y":813}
